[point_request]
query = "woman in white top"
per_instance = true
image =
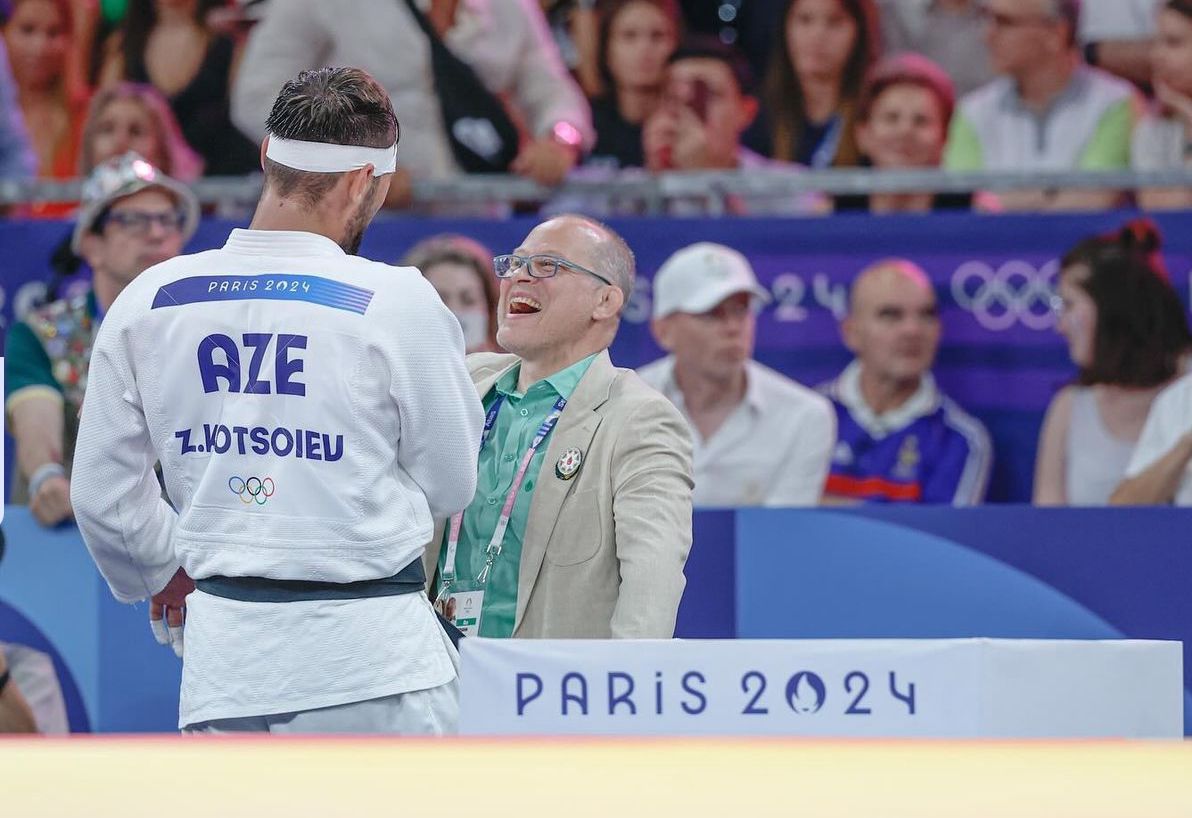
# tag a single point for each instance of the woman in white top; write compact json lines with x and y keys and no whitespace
{"x":1127,"y":332}
{"x":1163,"y":138}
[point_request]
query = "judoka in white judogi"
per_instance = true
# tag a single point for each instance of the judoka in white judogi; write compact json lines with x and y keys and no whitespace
{"x":311,"y":413}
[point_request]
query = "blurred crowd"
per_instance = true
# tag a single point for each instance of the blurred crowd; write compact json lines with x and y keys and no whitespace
{"x":881,"y":431}
{"x":592,"y":88}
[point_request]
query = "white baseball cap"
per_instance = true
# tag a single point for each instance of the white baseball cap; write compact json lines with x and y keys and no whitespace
{"x":700,"y":276}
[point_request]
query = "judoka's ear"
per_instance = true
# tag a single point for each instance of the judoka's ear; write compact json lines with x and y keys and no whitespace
{"x":360,"y":184}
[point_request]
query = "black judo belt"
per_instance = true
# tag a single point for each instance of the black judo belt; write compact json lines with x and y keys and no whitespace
{"x":409,"y":580}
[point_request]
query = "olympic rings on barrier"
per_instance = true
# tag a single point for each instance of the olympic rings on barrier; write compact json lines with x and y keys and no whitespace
{"x":1015,"y":293}
{"x":252,"y":489}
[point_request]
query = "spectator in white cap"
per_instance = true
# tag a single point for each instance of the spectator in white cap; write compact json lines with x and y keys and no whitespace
{"x":760,"y":438}
{"x":132,"y":217}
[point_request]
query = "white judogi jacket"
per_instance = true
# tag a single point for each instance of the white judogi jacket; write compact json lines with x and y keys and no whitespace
{"x":312,"y":413}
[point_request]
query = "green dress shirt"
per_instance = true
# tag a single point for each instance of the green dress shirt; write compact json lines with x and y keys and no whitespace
{"x":518,"y":420}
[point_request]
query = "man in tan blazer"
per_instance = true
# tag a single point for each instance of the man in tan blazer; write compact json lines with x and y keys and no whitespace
{"x":600,"y":527}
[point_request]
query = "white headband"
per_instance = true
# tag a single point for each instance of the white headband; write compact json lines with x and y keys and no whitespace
{"x":323,"y":157}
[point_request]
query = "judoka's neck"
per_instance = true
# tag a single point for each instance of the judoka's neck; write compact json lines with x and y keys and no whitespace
{"x":274,"y":213}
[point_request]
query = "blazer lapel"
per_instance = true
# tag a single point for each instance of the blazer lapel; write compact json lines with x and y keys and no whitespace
{"x":576,"y":428}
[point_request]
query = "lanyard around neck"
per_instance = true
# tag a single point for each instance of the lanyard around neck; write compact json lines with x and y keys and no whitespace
{"x":497,"y":540}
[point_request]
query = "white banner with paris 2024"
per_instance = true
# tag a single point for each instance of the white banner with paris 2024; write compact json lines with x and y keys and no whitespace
{"x":892,"y":688}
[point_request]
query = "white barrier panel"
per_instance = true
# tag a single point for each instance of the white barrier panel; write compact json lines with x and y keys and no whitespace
{"x":959,"y":688}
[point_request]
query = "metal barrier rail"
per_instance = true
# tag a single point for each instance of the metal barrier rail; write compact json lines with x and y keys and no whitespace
{"x":655,"y":189}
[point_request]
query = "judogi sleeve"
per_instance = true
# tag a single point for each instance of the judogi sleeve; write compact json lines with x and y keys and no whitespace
{"x":127,"y":526}
{"x":441,"y":414}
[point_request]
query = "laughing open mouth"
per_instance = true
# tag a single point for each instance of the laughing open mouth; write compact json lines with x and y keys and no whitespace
{"x":523,"y":305}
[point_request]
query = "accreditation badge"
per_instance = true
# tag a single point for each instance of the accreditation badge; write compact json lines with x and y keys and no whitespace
{"x":462,"y":608}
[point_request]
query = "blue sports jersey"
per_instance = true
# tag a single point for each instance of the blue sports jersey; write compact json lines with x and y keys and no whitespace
{"x":932,"y":452}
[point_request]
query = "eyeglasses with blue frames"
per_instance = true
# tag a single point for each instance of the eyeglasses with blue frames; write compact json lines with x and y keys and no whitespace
{"x":538,"y":266}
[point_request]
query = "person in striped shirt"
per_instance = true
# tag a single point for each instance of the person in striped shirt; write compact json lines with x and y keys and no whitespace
{"x":899,"y":438}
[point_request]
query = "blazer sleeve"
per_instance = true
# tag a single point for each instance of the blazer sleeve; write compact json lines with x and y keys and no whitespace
{"x":652,"y":485}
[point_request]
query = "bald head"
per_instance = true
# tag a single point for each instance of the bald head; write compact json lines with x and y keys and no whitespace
{"x":884,"y":276}
{"x":893,"y":325}
{"x":607,"y":253}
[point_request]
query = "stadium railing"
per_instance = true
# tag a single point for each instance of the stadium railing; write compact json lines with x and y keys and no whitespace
{"x":653,"y":191}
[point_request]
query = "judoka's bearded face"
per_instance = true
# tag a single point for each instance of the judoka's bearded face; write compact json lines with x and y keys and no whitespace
{"x":543,"y":317}
{"x":363,"y":215}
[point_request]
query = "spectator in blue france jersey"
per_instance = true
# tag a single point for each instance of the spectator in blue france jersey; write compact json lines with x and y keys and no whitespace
{"x":899,"y":438}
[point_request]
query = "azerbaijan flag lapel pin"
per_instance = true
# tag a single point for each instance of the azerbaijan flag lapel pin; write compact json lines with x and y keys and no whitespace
{"x":569,"y":464}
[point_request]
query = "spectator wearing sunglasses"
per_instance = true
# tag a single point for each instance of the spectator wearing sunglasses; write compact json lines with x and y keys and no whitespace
{"x":132,"y":217}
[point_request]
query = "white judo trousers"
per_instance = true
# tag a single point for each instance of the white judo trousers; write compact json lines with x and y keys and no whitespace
{"x":433,"y":712}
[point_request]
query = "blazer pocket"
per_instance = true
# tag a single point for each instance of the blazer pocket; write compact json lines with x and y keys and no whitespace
{"x":579,"y":534}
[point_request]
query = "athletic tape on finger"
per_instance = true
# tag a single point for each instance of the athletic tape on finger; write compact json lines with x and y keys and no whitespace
{"x":161,"y":631}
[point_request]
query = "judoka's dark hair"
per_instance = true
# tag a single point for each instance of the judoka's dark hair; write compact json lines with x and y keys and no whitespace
{"x":340,"y":106}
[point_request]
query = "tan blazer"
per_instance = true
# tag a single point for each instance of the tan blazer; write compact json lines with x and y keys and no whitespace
{"x":602,"y":553}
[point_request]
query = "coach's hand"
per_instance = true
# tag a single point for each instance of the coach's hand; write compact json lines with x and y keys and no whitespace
{"x":51,"y":504}
{"x":167,"y":611}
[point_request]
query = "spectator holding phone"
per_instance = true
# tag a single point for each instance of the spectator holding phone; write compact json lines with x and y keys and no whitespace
{"x":707,"y":104}
{"x":501,"y":51}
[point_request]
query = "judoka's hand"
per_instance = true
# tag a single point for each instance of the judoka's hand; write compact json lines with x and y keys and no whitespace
{"x":51,"y":504}
{"x":167,"y":611}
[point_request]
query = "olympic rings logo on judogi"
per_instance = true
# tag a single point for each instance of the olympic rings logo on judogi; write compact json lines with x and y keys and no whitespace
{"x":252,"y":489}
